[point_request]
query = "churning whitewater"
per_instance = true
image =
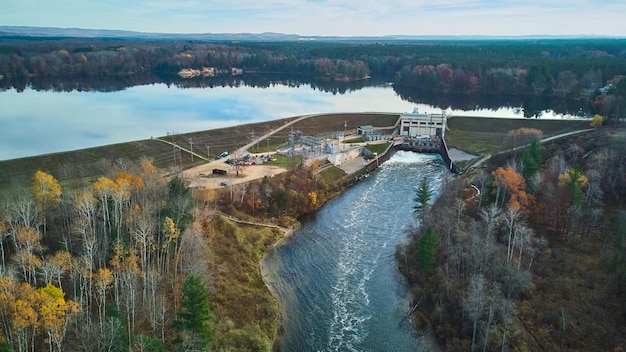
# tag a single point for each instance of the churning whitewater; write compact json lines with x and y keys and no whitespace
{"x":336,"y":277}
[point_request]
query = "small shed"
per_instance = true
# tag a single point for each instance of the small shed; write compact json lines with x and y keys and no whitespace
{"x":365,"y":130}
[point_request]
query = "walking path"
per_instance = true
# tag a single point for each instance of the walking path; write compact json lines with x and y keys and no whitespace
{"x":562,"y":135}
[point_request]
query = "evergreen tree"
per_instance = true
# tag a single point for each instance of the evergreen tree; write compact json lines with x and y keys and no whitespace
{"x":423,"y":195}
{"x":532,"y":159}
{"x":194,"y":315}
{"x":425,"y":251}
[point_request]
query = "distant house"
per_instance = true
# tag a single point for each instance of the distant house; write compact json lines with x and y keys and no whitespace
{"x":416,"y":124}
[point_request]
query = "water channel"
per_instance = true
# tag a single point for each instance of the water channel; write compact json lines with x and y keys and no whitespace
{"x":336,"y":277}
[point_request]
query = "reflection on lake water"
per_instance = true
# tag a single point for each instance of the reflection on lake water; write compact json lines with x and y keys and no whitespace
{"x":41,"y":122}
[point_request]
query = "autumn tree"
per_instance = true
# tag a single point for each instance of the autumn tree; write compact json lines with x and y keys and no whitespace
{"x":521,"y":136}
{"x":596,"y":122}
{"x":573,"y":181}
{"x":103,"y":278}
{"x":18,"y":314}
{"x":103,"y":189}
{"x":126,"y":272}
{"x":55,"y":266}
{"x":125,"y":186}
{"x":47,"y":192}
{"x":509,"y":182}
{"x":28,"y":253}
{"x":55,"y":314}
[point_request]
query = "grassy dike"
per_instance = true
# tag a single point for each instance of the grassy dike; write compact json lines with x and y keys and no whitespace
{"x":245,"y":312}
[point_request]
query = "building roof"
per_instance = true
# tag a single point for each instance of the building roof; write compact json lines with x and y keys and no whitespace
{"x":366,"y":127}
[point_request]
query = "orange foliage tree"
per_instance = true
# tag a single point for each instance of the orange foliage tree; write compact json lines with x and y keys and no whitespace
{"x":509,"y":182}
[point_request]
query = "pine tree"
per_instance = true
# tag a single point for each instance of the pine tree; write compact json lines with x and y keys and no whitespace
{"x":423,"y":195}
{"x":194,"y":314}
{"x":425,"y":251}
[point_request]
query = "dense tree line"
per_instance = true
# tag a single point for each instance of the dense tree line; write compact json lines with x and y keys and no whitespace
{"x":588,"y":70}
{"x":530,"y":258}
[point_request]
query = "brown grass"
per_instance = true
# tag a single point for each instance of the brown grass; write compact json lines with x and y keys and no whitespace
{"x":486,"y":135}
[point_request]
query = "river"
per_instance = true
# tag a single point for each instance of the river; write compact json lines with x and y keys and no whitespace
{"x":336,"y":277}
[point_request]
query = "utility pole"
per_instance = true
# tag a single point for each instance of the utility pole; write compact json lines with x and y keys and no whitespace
{"x":173,"y":146}
{"x":253,"y":137}
{"x":191,"y":148}
{"x":345,"y":127}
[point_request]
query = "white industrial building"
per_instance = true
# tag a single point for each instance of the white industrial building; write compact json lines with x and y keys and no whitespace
{"x":416,"y":124}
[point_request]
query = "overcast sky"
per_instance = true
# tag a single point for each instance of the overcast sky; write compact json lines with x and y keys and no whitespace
{"x":327,"y":17}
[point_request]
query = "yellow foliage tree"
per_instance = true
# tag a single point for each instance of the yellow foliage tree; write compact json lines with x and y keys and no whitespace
{"x":55,"y":314}
{"x":18,"y":314}
{"x":59,"y":263}
{"x":128,"y":182}
{"x":313,"y":198}
{"x":103,"y":189}
{"x":103,"y":279}
{"x":597,"y":121}
{"x":573,"y":181}
{"x":47,"y":192}
{"x":24,"y":317}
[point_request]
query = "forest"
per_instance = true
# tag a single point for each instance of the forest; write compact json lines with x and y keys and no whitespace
{"x":133,"y":261}
{"x":528,"y":253}
{"x":576,"y":69}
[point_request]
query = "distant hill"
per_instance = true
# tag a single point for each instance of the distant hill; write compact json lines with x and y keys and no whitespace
{"x":52,"y":32}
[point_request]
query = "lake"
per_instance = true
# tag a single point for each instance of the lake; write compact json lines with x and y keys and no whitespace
{"x":38,"y":122}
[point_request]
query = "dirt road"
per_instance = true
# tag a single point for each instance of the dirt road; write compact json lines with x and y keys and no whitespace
{"x":202,"y":176}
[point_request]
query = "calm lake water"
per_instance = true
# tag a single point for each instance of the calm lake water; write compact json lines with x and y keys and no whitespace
{"x":41,"y":122}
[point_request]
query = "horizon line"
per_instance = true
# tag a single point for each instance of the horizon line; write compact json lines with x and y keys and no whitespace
{"x":23,"y":30}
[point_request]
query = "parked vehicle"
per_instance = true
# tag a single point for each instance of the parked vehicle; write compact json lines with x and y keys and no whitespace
{"x":219,"y":172}
{"x":222,"y":155}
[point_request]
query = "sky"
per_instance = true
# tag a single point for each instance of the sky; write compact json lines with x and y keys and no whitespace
{"x":327,"y":17}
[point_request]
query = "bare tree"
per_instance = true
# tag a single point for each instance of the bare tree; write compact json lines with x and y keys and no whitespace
{"x":491,"y":218}
{"x":511,"y":217}
{"x":474,"y":302}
